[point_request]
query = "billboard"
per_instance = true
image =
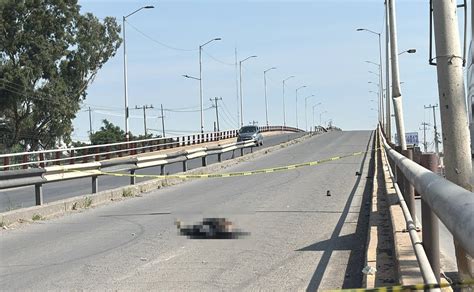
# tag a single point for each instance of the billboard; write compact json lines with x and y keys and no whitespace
{"x":410,"y":137}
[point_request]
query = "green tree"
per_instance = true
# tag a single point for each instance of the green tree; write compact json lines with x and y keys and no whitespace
{"x":49,"y":54}
{"x":108,"y":133}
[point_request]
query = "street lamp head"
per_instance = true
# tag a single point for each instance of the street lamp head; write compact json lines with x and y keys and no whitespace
{"x":411,"y":51}
{"x":149,"y":7}
{"x":272,"y":68}
{"x":248,"y":58}
{"x":360,"y":29}
{"x":217,"y":39}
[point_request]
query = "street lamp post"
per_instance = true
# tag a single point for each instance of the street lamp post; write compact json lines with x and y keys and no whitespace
{"x":125,"y":78}
{"x":200,"y":81}
{"x":314,"y":106}
{"x":380,"y":67}
{"x":265,"y":89}
{"x":305,"y":111}
{"x":301,"y":87}
{"x":380,"y":89}
{"x":284,"y":110}
{"x":241,"y":95}
{"x":380,"y":103}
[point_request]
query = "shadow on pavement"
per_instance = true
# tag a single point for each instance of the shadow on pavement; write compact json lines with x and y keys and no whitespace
{"x":346,"y":242}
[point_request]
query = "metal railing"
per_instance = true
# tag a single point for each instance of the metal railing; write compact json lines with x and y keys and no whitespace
{"x":54,"y":173}
{"x":85,"y":154}
{"x":442,"y":199}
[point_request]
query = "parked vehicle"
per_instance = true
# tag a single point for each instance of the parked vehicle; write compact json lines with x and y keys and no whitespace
{"x":250,"y":133}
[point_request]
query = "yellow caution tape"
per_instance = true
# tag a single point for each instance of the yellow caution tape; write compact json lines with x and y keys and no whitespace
{"x":230,"y":174}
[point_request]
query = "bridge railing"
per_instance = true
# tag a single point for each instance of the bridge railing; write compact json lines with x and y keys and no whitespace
{"x":90,"y":153}
{"x":442,"y":199}
{"x":54,"y":173}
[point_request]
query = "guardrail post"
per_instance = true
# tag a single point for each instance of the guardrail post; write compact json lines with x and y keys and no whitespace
{"x":95,"y":184}
{"x":84,"y":159}
{"x":241,"y":151}
{"x":39,"y":194}
{"x":219,"y":157}
{"x":251,"y":149}
{"x":97,"y":151}
{"x":41,"y":158}
{"x":204,"y":161}
{"x":399,"y":174}
{"x":6,"y":161}
{"x":133,"y":179}
{"x":409,"y":189}
{"x":429,"y":221}
{"x":107,"y":149}
{"x":71,"y":161}
{"x":185,"y":165}
{"x":25,"y":160}
{"x":162,"y":169}
{"x":58,"y":156}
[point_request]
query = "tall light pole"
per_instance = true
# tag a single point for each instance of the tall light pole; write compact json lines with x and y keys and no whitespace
{"x":125,"y":80}
{"x":380,"y":67}
{"x":200,"y":81}
{"x":284,"y":110}
{"x":388,"y":86}
{"x":314,"y":106}
{"x":396,"y":90}
{"x":380,"y":89}
{"x":305,"y":110}
{"x":301,"y":87}
{"x":241,"y":95}
{"x":380,"y":101}
{"x":265,"y":88}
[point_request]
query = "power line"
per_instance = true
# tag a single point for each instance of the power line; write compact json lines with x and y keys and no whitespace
{"x":226,"y":109}
{"x":158,"y":42}
{"x":217,"y":60}
{"x":187,"y":111}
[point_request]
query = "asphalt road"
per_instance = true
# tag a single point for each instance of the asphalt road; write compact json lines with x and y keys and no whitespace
{"x":25,"y":196}
{"x":300,"y":238}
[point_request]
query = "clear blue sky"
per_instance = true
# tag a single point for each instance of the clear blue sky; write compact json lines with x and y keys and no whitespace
{"x":314,"y":40}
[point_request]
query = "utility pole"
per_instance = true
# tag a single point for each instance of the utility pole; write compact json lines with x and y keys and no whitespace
{"x":215,"y":99}
{"x":162,"y":121}
{"x":457,"y":157}
{"x":436,"y":134}
{"x":425,"y":144}
{"x":237,"y":87}
{"x":388,"y":95}
{"x":396,"y":92}
{"x":144,"y":107}
{"x":90,"y":121}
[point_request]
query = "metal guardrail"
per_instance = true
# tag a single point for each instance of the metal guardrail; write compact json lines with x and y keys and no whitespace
{"x":452,"y":204}
{"x":54,"y":173}
{"x":90,"y":153}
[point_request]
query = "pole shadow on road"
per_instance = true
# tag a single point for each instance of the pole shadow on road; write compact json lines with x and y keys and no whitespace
{"x":353,"y":273}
